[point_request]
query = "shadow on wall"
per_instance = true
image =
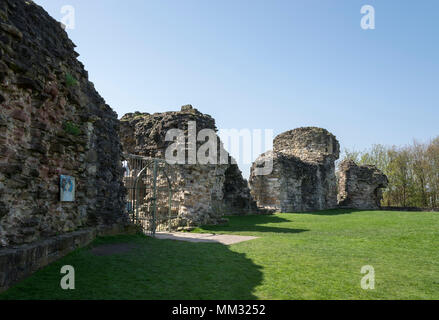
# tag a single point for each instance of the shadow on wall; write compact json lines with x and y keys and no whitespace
{"x":254,"y":223}
{"x":152,"y":270}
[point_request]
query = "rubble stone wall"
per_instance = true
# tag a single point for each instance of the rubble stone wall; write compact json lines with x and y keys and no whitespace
{"x":236,"y":193}
{"x":52,"y":123}
{"x":303,"y":176}
{"x":205,"y":192}
{"x":360,"y":186}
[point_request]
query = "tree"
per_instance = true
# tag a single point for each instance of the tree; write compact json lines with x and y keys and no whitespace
{"x":412,"y":170}
{"x":432,"y":156}
{"x":420,"y":171}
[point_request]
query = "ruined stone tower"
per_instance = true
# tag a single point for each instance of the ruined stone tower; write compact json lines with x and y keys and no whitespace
{"x":205,"y":192}
{"x":360,"y":187}
{"x":303,"y":176}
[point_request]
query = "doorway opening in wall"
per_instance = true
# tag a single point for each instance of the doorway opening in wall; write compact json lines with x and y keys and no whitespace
{"x":151,"y":200}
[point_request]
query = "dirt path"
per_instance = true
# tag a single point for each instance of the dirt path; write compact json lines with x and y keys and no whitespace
{"x":225,"y":239}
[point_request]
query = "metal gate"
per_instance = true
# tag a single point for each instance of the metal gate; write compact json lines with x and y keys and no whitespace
{"x":151,"y":201}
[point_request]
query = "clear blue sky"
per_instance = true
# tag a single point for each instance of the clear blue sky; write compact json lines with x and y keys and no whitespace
{"x":268,"y":64}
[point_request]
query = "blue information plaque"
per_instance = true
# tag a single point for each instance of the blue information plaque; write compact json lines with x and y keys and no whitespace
{"x":67,"y":188}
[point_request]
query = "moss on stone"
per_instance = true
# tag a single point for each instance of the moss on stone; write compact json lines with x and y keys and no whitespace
{"x":70,"y":80}
{"x":71,"y":128}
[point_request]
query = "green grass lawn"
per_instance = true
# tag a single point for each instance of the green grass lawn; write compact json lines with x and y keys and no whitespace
{"x":298,"y":256}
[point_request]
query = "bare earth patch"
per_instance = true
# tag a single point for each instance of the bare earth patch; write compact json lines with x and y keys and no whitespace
{"x":225,"y":239}
{"x":109,"y":249}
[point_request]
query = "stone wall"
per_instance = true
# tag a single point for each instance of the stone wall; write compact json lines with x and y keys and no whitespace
{"x":360,"y":187}
{"x":52,"y":122}
{"x":303,"y":176}
{"x":236,"y":193}
{"x":205,"y":192}
{"x":18,"y":262}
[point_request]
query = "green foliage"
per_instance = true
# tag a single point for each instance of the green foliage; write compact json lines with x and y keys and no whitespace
{"x":70,"y":80}
{"x":71,"y":128}
{"x":297,"y":256}
{"x":412,"y":170}
{"x":352,"y":155}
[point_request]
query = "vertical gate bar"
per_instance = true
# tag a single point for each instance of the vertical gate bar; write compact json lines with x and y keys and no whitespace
{"x":133,"y":196}
{"x":154,"y":195}
{"x":169,"y":208}
{"x":136,"y":202}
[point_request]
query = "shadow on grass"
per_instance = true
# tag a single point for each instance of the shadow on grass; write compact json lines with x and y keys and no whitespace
{"x":155,"y":269}
{"x":332,"y":212}
{"x":253,"y":223}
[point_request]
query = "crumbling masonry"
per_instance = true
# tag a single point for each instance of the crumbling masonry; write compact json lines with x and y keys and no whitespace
{"x":204,"y":191}
{"x":52,"y":123}
{"x":360,"y":187}
{"x":303,"y":176}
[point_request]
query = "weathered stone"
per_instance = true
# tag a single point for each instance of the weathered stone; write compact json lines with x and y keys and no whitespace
{"x":19,"y":115}
{"x":37,"y":147}
{"x":199,"y":188}
{"x":360,"y":187}
{"x":28,"y":83}
{"x":303,"y":176}
{"x":236,"y":193}
{"x":10,"y":169}
{"x":3,"y":209}
{"x":11,"y":30}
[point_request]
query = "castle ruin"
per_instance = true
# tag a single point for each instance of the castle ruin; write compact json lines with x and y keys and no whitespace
{"x":360,"y":186}
{"x":55,"y":127}
{"x":303,"y":176}
{"x":205,"y":192}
